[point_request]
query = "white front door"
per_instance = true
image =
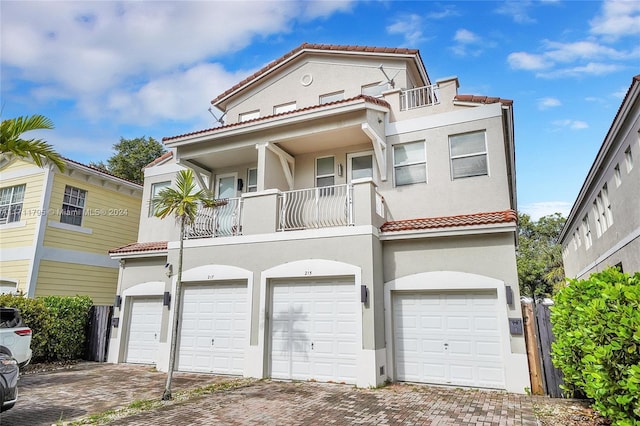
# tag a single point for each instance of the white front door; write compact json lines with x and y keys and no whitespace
{"x":213,"y":335}
{"x":144,"y":330}
{"x":448,"y":338}
{"x":226,"y":186}
{"x":313,"y":330}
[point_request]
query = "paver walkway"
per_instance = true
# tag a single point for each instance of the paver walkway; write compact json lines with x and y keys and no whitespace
{"x":91,"y":388}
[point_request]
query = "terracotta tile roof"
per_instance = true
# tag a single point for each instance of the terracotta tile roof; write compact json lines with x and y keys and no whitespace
{"x":137,"y":247}
{"x":319,"y":47}
{"x":450,"y":221}
{"x":482,"y":99}
{"x":365,"y":98}
{"x":163,"y":157}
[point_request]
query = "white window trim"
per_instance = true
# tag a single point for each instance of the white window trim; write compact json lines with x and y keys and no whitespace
{"x":373,"y":164}
{"x":283,"y":108}
{"x":617,"y":175}
{"x":380,"y":86}
{"x":69,"y":227}
{"x":475,"y":154}
{"x":227,"y":175}
{"x":11,"y":203}
{"x":152,"y":194}
{"x":83,"y":207}
{"x":327,"y":98}
{"x":333,"y":175}
{"x":426,"y":171}
{"x":628,"y":159}
{"x":249,"y":115}
{"x":249,"y":186}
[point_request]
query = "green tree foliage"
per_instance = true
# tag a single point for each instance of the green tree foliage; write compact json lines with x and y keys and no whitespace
{"x":12,"y":142}
{"x":539,"y":255}
{"x":182,"y":202}
{"x":596,"y":324}
{"x":131,"y":156}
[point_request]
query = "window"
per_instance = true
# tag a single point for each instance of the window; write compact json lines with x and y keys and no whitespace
{"x":246,"y":116}
{"x":155,"y":190}
{"x":279,"y":109}
{"x":252,"y":180}
{"x":360,"y":166}
{"x":73,"y":205}
{"x":331,"y":97}
{"x":325,"y":171}
{"x":628,"y":159}
{"x":409,"y":163}
{"x":468,"y":155}
{"x":11,"y":203}
{"x":374,"y":89}
{"x":617,"y":175}
{"x":586,"y":231}
{"x":602,"y":210}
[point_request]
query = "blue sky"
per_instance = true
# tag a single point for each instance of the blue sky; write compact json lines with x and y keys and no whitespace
{"x":102,"y":70}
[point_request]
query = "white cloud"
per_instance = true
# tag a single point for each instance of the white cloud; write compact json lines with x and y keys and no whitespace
{"x":544,"y":208}
{"x":131,"y":52}
{"x":469,"y":43}
{"x":517,"y":10}
{"x":618,"y":19}
{"x":527,"y":61}
{"x":546,"y":103}
{"x":571,"y":124}
{"x":409,"y":26}
{"x":592,"y":68}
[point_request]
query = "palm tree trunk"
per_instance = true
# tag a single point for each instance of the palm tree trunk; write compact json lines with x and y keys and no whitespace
{"x":166,"y":396}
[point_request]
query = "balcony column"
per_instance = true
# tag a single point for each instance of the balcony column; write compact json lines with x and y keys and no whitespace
{"x":260,"y":212}
{"x":262,"y":161}
{"x":365,"y":200}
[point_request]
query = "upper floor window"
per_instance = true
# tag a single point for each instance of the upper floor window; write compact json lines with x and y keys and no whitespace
{"x":468,"y":155}
{"x":279,"y":109}
{"x":374,"y":89}
{"x":11,"y":199}
{"x":617,"y":175}
{"x":331,"y":97}
{"x":252,"y":180}
{"x":251,"y":115}
{"x":360,"y":165}
{"x":73,"y":205}
{"x":325,"y":171}
{"x":409,"y":163}
{"x":155,"y":191}
{"x":628,"y":159}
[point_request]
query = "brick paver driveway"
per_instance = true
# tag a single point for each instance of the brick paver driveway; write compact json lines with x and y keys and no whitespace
{"x":90,"y":388}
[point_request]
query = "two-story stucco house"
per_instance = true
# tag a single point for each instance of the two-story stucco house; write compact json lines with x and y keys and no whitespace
{"x":603,"y":227}
{"x":56,"y":229}
{"x":369,"y":234}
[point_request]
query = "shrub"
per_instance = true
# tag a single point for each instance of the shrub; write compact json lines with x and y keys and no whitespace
{"x":596,"y":323}
{"x":69,"y":317}
{"x":36,"y":316}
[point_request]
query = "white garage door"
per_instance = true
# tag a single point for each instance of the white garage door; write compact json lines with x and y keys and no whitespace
{"x":144,"y":330}
{"x":313,"y":330}
{"x":213,"y":334}
{"x":448,"y":338}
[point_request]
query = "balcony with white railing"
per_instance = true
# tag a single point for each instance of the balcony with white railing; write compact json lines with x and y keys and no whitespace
{"x":277,"y":211}
{"x":419,"y":97}
{"x":324,"y":207}
{"x":221,"y":221}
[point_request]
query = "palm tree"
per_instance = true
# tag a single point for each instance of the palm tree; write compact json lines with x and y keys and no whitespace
{"x":11,"y":141}
{"x":183,"y":203}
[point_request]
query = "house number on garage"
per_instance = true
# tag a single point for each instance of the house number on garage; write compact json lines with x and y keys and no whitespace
{"x":307,"y":273}
{"x":210,"y":277}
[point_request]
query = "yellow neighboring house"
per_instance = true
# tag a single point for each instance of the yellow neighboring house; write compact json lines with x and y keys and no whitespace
{"x":56,"y":229}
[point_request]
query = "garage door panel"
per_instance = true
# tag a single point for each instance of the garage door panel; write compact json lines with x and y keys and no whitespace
{"x":213,"y":328}
{"x":457,"y":338}
{"x":313,"y":331}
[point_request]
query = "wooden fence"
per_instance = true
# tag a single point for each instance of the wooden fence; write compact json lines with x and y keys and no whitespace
{"x":98,"y":330}
{"x":545,"y":377}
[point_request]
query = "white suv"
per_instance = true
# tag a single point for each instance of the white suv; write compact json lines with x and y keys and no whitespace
{"x":15,"y":336}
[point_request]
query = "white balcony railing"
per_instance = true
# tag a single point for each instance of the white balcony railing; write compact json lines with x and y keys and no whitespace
{"x":419,"y":97}
{"x":221,"y":221}
{"x":323,"y":207}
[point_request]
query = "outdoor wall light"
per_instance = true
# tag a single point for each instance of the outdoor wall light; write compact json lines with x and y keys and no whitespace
{"x":166,"y":299}
{"x":364,"y":293}
{"x":169,"y":268}
{"x":340,"y":171}
{"x":509,"y":292}
{"x":117,"y":302}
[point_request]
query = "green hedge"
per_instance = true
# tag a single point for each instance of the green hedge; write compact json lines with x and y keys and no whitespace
{"x":596,"y":324}
{"x":59,"y":324}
